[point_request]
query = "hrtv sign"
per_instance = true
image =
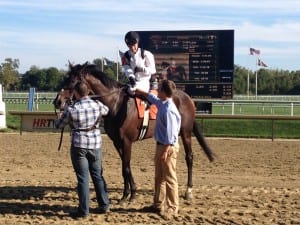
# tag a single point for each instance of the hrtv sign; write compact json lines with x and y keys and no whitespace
{"x":37,"y":121}
{"x":43,"y":123}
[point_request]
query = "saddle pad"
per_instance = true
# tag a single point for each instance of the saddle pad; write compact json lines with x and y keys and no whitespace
{"x":141,"y":106}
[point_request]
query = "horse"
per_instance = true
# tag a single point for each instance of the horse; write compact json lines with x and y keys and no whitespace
{"x":123,"y":125}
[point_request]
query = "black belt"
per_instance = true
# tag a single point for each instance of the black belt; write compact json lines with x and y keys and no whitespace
{"x":158,"y":143}
{"x":85,"y":129}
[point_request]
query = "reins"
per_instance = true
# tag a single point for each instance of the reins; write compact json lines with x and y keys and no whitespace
{"x":61,"y":133}
{"x":100,"y":96}
{"x":69,"y":101}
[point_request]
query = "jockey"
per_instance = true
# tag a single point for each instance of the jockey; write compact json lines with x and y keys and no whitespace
{"x":138,"y":64}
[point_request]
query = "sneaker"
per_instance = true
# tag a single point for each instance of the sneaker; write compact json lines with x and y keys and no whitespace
{"x":169,"y":214}
{"x":151,"y":209}
{"x":103,"y":211}
{"x":78,"y":215}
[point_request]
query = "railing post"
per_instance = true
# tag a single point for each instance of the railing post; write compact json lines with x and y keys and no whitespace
{"x":232,"y":108}
{"x":272,"y":129}
{"x":292,"y":108}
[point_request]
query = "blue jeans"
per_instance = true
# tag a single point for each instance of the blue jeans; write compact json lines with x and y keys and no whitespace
{"x":85,"y":162}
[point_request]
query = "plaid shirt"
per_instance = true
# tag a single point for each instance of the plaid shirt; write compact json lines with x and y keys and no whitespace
{"x":81,"y":115}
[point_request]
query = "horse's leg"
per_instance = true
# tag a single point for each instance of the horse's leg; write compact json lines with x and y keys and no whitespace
{"x":119,"y":145}
{"x":129,"y":184}
{"x":187,"y":144}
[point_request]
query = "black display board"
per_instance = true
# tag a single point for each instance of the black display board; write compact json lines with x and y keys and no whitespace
{"x":200,"y":62}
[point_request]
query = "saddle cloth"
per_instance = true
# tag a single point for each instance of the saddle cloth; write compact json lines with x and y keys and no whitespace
{"x":141,"y":107}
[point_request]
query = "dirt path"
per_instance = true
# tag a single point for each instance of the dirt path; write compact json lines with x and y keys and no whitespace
{"x":251,"y":182}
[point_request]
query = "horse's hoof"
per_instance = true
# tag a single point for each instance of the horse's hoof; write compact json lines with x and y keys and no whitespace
{"x":188,"y":196}
{"x":132,"y":200}
{"x":123,"y":202}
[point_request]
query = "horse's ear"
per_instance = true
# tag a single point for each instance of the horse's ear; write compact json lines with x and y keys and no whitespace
{"x":70,"y":64}
{"x":121,"y":54}
{"x":84,"y":65}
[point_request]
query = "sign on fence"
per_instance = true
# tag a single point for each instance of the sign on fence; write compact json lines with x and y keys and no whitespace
{"x":36,"y":121}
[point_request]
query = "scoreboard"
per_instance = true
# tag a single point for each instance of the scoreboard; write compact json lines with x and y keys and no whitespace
{"x":200,"y":62}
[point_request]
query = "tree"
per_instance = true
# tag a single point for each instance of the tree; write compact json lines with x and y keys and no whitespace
{"x":42,"y":79}
{"x":31,"y":78}
{"x":54,"y":78}
{"x":109,"y":67}
{"x":9,"y":75}
{"x":240,"y":80}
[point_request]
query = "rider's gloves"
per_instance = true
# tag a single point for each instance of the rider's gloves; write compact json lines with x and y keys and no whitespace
{"x":132,"y":80}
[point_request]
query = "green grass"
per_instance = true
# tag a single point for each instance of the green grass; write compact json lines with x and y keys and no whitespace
{"x":251,"y":128}
{"x":24,"y":107}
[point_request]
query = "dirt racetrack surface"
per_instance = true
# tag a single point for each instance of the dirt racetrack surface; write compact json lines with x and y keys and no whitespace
{"x":251,"y":182}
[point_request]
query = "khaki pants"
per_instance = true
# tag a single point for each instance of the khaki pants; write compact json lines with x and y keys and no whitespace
{"x":166,"y":196}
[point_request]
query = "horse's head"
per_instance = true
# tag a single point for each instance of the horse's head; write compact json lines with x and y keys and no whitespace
{"x":100,"y":85}
{"x":65,"y":95}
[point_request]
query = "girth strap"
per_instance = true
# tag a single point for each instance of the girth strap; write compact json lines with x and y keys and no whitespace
{"x":145,"y":125}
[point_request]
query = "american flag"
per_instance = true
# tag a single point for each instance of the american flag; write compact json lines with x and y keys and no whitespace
{"x":254,"y":51}
{"x":261,"y":63}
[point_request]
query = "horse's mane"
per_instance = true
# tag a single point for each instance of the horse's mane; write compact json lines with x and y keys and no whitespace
{"x":92,"y":69}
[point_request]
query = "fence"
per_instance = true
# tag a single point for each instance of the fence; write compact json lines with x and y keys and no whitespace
{"x":23,"y":97}
{"x":257,"y":107}
{"x":272,"y":109}
{"x":240,"y":105}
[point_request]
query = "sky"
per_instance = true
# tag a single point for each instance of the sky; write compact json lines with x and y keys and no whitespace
{"x":50,"y":33}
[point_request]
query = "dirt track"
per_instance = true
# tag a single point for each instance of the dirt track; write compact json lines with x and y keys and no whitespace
{"x":251,"y":182}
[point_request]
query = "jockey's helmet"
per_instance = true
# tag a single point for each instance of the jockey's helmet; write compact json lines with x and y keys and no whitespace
{"x":131,"y":38}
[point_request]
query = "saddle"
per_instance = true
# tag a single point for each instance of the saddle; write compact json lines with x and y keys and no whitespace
{"x":146,"y":113}
{"x":143,"y":106}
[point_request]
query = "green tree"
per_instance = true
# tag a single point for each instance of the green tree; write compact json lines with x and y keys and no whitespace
{"x":54,"y":78}
{"x":9,"y":75}
{"x":109,"y":67}
{"x":240,"y":80}
{"x":42,"y":79}
{"x":265,"y":82}
{"x":31,"y":78}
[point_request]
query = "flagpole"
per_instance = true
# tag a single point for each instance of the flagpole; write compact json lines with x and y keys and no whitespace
{"x":255,"y":52}
{"x":248,"y":79}
{"x":117,"y":64}
{"x":248,"y":91}
{"x":256,"y":77}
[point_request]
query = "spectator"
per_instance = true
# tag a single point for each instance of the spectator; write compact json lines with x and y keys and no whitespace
{"x":166,"y":199}
{"x":86,"y":155}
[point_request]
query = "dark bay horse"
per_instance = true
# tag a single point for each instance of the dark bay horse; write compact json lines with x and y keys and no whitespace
{"x":122,"y":124}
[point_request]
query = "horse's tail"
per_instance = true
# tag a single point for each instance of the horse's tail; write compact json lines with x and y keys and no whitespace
{"x":196,"y":130}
